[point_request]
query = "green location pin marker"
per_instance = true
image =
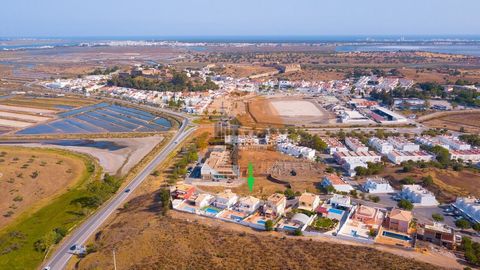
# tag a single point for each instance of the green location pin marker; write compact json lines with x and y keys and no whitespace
{"x":251,"y":180}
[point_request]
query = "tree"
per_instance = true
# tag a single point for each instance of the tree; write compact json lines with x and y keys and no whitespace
{"x":408,"y":180}
{"x":289,"y":193}
{"x":476,"y":227}
{"x":427,"y":181}
{"x":330,"y":189}
{"x":269,"y":225}
{"x":164,"y":197}
{"x":405,"y":204}
{"x":437,"y":217}
{"x":298,"y":232}
{"x":462,"y":223}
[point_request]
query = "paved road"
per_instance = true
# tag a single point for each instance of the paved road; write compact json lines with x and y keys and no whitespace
{"x":79,"y":236}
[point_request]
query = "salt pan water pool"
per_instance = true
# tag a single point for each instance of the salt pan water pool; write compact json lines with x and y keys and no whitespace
{"x":101,"y":118}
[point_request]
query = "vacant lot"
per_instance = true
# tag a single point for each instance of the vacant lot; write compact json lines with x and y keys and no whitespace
{"x":144,"y":240}
{"x":447,"y":185}
{"x":28,"y":176}
{"x":469,"y":121}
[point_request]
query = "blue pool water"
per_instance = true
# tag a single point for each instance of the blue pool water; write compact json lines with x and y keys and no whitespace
{"x":290,"y":228}
{"x":64,"y":107}
{"x":396,"y":236}
{"x":335,"y":211}
{"x":261,"y":222}
{"x":101,"y":118}
{"x":189,"y":209}
{"x":236,"y":218}
{"x":212,"y":211}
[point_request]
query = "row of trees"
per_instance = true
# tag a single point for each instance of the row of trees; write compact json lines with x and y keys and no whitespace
{"x":306,"y":139}
{"x":179,"y":82}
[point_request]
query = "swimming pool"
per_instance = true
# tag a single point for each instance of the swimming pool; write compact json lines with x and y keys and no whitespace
{"x":261,"y":222}
{"x":189,"y":209}
{"x":211,"y":211}
{"x":290,"y":228}
{"x":236,"y":218}
{"x":396,"y":236}
{"x":335,"y":211}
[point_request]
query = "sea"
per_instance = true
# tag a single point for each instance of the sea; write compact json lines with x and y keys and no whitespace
{"x":452,"y":44}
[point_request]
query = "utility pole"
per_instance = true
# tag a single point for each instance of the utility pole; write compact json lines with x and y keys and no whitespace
{"x":114,"y":260}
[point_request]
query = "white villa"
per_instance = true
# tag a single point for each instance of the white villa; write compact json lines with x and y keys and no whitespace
{"x":418,"y":195}
{"x":248,"y":204}
{"x":225,"y":199}
{"x":469,"y":206}
{"x":377,"y":185}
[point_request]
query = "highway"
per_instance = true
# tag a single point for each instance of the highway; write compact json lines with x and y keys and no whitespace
{"x":80,"y":235}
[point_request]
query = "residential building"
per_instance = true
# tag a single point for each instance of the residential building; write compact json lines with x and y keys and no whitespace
{"x":355,"y":144}
{"x":469,"y":206}
{"x":225,"y":199}
{"x":182,"y":191}
{"x":472,"y":155}
{"x":437,"y":233}
{"x":336,"y":182}
{"x":334,"y":145}
{"x":454,"y":143}
{"x":351,"y":156}
{"x":218,"y":165}
{"x":380,"y":145}
{"x":399,"y":220}
{"x":418,"y":195}
{"x":403,"y":144}
{"x":296,"y":151}
{"x":398,"y":157}
{"x":340,"y":201}
{"x":203,"y":200}
{"x":431,"y":142}
{"x":377,"y":185}
{"x":247,"y":204}
{"x":349,"y":166}
{"x":308,"y":201}
{"x":275,"y":205}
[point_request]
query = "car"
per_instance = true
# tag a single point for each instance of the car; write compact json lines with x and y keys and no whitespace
{"x":127,"y":190}
{"x":47,"y":268}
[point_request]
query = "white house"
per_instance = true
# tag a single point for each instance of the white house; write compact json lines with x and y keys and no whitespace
{"x":454,"y":143}
{"x":355,"y":144}
{"x":377,"y":185}
{"x":203,"y":200}
{"x":398,"y":157}
{"x":351,"y":156}
{"x":296,"y":151}
{"x":349,"y":166}
{"x":336,"y":182}
{"x":275,"y":205}
{"x":225,"y":199}
{"x":403,"y":144}
{"x":472,"y":155}
{"x":418,"y":195}
{"x":469,"y":206}
{"x":340,"y":201}
{"x":247,"y":204}
{"x":334,"y":145}
{"x":380,"y":145}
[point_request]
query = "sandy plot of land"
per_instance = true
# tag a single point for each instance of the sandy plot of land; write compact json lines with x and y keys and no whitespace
{"x":469,"y":121}
{"x":25,"y":109}
{"x":13,"y":123}
{"x":294,"y":108}
{"x":30,"y":175}
{"x":118,"y":161}
{"x":26,"y":117}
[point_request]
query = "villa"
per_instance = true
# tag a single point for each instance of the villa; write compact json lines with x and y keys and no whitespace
{"x":438,"y":233}
{"x":399,"y":220}
{"x":336,"y":182}
{"x":364,"y":220}
{"x":275,"y":205}
{"x":308,"y":201}
{"x":182,"y":191}
{"x":340,"y":201}
{"x":469,"y":206}
{"x":204,"y":200}
{"x":247,"y":204}
{"x":418,"y":195}
{"x":225,"y":199}
{"x":377,"y":185}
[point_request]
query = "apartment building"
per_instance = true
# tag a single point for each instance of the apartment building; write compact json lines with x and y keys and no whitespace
{"x":398,"y":157}
{"x":381,"y":146}
{"x":355,"y":144}
{"x":218,"y":165}
{"x":418,"y":195}
{"x":403,"y":144}
{"x":334,"y":145}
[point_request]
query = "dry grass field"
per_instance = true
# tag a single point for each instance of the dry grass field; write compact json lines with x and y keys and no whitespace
{"x":144,"y":240}
{"x":470,"y":122}
{"x":447,"y":183}
{"x":29,"y":176}
{"x":47,"y":102}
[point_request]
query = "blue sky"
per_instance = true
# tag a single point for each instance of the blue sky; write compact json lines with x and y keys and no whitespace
{"x":240,"y":17}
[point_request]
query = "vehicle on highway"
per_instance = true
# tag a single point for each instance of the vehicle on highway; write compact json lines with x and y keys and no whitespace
{"x":47,"y":268}
{"x":127,"y":190}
